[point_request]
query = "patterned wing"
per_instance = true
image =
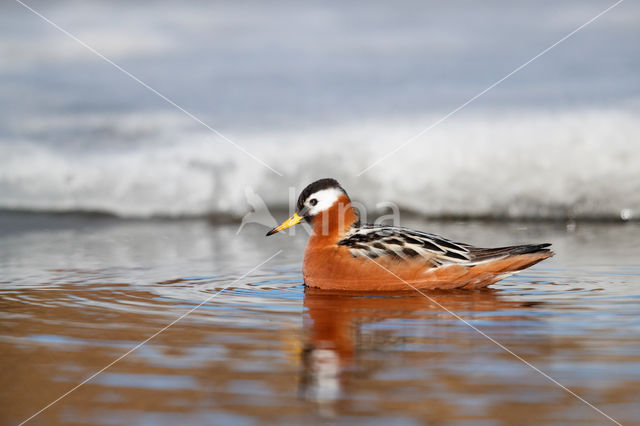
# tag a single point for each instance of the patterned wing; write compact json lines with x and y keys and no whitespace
{"x":402,"y":243}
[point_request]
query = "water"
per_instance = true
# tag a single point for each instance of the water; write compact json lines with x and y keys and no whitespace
{"x":77,"y":292}
{"x":321,"y":90}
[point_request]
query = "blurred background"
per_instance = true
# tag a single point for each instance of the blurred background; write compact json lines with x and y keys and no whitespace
{"x":317,"y":90}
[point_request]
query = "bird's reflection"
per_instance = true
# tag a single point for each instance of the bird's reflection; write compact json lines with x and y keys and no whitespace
{"x":334,"y":335}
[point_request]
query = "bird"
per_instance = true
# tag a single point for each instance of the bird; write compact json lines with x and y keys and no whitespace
{"x":344,"y":254}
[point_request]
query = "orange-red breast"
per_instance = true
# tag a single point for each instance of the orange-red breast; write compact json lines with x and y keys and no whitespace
{"x":344,"y":254}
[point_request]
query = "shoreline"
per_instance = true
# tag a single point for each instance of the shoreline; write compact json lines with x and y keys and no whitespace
{"x":235,"y":219}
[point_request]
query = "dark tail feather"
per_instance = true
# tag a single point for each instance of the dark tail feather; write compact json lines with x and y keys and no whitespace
{"x":488,"y":253}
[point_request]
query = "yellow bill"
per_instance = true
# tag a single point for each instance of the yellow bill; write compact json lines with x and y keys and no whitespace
{"x":293,"y":220}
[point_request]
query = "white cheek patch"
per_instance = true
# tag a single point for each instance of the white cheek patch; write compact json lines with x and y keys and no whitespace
{"x":326,"y":198}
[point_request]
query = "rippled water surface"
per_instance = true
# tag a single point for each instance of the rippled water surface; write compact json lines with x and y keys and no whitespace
{"x":77,"y":293}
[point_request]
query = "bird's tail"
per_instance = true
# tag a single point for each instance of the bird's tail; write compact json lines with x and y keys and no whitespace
{"x":482,"y":254}
{"x":489,"y":265}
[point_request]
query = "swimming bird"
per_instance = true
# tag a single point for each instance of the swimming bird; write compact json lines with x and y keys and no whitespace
{"x":344,"y":254}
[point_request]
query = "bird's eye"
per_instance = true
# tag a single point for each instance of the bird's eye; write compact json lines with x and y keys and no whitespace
{"x":313,"y":201}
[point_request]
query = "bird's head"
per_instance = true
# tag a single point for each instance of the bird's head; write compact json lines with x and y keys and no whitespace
{"x":317,"y":198}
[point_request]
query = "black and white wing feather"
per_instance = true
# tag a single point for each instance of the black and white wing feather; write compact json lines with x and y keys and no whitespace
{"x":403,"y":243}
